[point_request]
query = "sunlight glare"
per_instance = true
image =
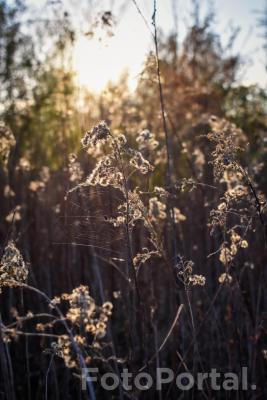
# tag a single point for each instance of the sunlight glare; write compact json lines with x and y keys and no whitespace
{"x":96,"y":63}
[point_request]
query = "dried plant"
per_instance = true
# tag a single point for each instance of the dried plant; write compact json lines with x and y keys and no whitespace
{"x":13,"y":269}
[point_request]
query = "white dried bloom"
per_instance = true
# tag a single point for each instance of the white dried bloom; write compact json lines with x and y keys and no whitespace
{"x":105,"y":174}
{"x":45,"y":174}
{"x":120,"y":141}
{"x":235,"y":238}
{"x":75,"y":170}
{"x":24,"y":164}
{"x":146,"y":140}
{"x":140,"y":163}
{"x":197,"y":280}
{"x":6,"y":143}
{"x":132,"y":211}
{"x":157,"y":209}
{"x":14,"y":215}
{"x":244,"y":244}
{"x":141,"y":258}
{"x":178,"y":216}
{"x":225,"y":278}
{"x":160,"y":191}
{"x":8,"y":192}
{"x":13,"y":269}
{"x":185,"y":274}
{"x":83,"y":311}
{"x":34,"y":186}
{"x":99,"y":134}
{"x":222,"y":206}
{"x":233,"y":249}
{"x":225,"y":256}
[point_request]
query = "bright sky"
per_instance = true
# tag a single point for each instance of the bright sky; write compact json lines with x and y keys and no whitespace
{"x":98,"y":62}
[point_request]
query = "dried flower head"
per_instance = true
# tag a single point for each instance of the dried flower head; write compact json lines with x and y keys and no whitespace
{"x":226,"y":136}
{"x":157,"y":209}
{"x":24,"y":164}
{"x":84,"y":312}
{"x":105,"y":174}
{"x":13,"y":269}
{"x":197,"y":280}
{"x":177,"y":215}
{"x":6,"y":143}
{"x":8,"y":192}
{"x":14,"y":215}
{"x":131,"y":210}
{"x":146,"y":141}
{"x":140,"y":163}
{"x":244,"y":244}
{"x":225,"y":278}
{"x":82,"y":305}
{"x":98,"y":134}
{"x":75,"y":171}
{"x":161,"y":192}
{"x":63,"y":348}
{"x":144,"y":256}
{"x":226,"y":256}
{"x":186,"y":276}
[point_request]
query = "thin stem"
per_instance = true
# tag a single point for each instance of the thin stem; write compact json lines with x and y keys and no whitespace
{"x":165,"y":129}
{"x":46,"y":376}
{"x":162,"y":103}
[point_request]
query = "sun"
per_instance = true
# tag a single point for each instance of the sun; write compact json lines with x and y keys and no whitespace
{"x":98,"y":62}
{"x":95,"y":64}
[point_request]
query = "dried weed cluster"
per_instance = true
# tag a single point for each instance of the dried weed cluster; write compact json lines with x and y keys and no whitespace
{"x":79,"y":325}
{"x":13,"y":269}
{"x":241,"y":203}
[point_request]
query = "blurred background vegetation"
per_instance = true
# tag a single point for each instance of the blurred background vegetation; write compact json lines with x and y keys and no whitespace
{"x":48,"y":111}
